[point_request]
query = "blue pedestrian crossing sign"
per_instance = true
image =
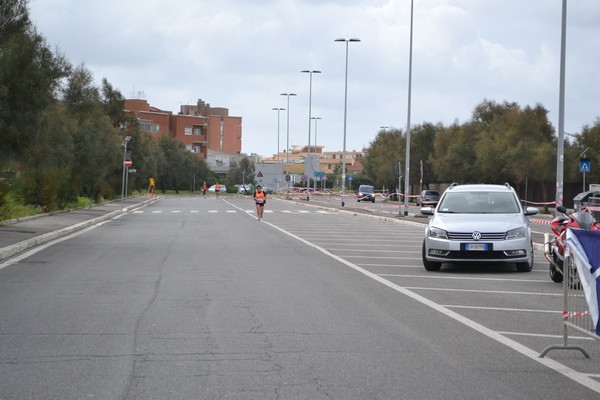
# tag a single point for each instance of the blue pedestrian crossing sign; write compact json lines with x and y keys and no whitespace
{"x":585,"y":165}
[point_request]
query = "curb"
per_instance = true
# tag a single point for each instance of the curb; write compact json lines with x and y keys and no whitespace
{"x":13,"y":249}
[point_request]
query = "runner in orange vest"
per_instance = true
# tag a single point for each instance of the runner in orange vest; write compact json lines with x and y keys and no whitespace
{"x":217,"y":189}
{"x":204,"y":189}
{"x":260,"y":198}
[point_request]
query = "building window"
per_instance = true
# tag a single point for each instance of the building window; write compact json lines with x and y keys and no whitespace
{"x":187,"y":131}
{"x":197,"y":131}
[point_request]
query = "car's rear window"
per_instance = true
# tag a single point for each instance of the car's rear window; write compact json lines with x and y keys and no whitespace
{"x":479,"y":203}
{"x":366,"y":188}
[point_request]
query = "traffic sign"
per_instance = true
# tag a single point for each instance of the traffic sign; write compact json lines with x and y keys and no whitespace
{"x":585,"y":165}
{"x":260,"y":175}
{"x":288,"y":178}
{"x":350,"y":178}
{"x":127,"y":163}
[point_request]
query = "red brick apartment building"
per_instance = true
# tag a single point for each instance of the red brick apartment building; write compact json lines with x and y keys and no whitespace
{"x":200,"y":127}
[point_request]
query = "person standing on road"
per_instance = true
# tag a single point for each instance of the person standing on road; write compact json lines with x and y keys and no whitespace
{"x":260,"y":198}
{"x":217,"y":189}
{"x":204,"y":189}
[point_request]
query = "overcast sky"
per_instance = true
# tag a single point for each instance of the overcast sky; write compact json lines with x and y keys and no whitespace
{"x":242,"y":54}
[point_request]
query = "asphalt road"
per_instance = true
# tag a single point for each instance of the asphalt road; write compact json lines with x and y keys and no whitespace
{"x":192,"y":298}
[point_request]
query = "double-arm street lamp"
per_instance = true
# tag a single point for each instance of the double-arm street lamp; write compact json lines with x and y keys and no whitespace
{"x":125,"y":168}
{"x":319,"y":158}
{"x":278,"y":148}
{"x":345,"y":114}
{"x":307,"y":171}
{"x":287,"y":147}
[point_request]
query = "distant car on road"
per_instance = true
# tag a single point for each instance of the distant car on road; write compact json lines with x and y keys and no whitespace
{"x":267,"y":190}
{"x":244,"y":189}
{"x":366,"y":193}
{"x":222,"y":190}
{"x":428,"y":198}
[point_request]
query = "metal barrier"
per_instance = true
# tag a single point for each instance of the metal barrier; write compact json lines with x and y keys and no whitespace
{"x":576,"y":314}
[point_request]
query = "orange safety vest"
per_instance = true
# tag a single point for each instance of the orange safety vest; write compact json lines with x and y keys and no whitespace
{"x":260,"y":198}
{"x":218,"y":186}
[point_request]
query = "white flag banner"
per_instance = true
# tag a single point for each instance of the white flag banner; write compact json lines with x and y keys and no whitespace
{"x":585,"y":247}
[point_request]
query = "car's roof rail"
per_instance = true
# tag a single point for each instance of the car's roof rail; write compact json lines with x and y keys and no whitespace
{"x":454,"y":184}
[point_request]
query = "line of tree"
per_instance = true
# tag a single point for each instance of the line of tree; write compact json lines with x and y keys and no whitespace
{"x":61,"y":135}
{"x":502,"y":142}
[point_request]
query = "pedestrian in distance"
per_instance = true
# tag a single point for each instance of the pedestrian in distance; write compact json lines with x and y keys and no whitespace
{"x":204,"y":189}
{"x":260,"y":198}
{"x":217,"y":189}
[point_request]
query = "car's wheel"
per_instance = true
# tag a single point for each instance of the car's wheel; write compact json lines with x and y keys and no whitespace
{"x":526,"y":266}
{"x":430,"y":265}
{"x":373,"y":201}
{"x":555,"y":274}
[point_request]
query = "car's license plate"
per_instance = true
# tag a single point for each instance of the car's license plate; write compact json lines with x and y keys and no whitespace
{"x":476,"y":247}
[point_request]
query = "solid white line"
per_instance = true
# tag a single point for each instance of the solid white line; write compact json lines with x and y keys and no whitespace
{"x":461,"y":278}
{"x":41,"y":247}
{"x":547,"y":336}
{"x":483,"y":291}
{"x":504,"y":309}
{"x":570,"y":373}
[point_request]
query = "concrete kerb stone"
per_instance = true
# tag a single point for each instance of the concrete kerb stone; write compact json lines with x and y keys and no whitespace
{"x":19,"y":247}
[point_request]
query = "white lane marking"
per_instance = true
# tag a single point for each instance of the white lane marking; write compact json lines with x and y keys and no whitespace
{"x":156,"y":212}
{"x":231,"y":211}
{"x":138,"y":212}
{"x":195,"y":211}
{"x":504,"y":309}
{"x":466,"y":278}
{"x":483,"y":291}
{"x":213,"y":211}
{"x":175,"y":211}
{"x":41,"y":247}
{"x":547,"y":336}
{"x":582,"y":379}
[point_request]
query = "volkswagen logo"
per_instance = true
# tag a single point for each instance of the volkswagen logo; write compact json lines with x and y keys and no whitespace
{"x":476,"y":235}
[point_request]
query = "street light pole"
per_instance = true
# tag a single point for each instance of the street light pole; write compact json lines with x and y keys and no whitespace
{"x":124,"y":147}
{"x":407,"y":166}
{"x":345,"y":115}
{"x":278,"y":148}
{"x":319,"y":164}
{"x":308,"y":170}
{"x":287,"y":148}
{"x":560,"y":145}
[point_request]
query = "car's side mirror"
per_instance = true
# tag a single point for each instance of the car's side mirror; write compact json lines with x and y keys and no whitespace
{"x":427,"y":210}
{"x":531,"y":211}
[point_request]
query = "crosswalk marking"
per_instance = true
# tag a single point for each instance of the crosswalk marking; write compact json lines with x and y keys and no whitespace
{"x":234,"y":211}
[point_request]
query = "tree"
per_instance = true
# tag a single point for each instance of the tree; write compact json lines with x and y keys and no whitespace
{"x":30,"y":74}
{"x":385,"y":151}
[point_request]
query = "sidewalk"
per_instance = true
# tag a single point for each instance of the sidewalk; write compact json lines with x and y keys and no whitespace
{"x":23,"y":233}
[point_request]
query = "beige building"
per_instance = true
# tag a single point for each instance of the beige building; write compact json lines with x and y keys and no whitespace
{"x":327,"y":159}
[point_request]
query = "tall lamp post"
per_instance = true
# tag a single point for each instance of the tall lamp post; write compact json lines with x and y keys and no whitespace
{"x":319,"y":158}
{"x":287,"y":147}
{"x":308,"y":170}
{"x":560,"y":144}
{"x":278,"y":148}
{"x":124,"y":147}
{"x":345,"y":114}
{"x":407,"y":166}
